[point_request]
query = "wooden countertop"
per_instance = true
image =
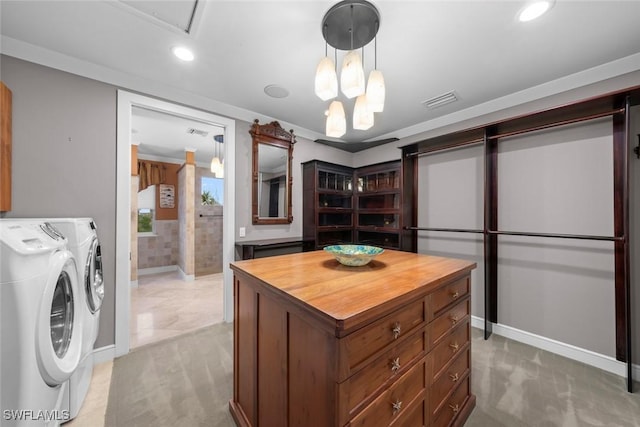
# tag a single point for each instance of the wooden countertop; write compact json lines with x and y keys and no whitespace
{"x":343,"y":295}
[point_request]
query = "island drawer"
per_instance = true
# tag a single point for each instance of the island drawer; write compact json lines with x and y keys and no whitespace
{"x":447,"y":295}
{"x":448,"y":379}
{"x":448,"y":348}
{"x":358,"y":390}
{"x":453,"y":405}
{"x":396,"y":401}
{"x":448,"y":320}
{"x":374,"y":337}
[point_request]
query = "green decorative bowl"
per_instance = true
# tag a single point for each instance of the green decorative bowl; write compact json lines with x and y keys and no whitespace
{"x":353,"y":255}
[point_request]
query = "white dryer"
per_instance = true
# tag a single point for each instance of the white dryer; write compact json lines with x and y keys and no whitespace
{"x":83,"y":242}
{"x":40,"y":331}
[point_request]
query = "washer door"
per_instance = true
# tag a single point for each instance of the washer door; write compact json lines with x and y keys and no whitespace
{"x":59,"y":326}
{"x":93,"y":281}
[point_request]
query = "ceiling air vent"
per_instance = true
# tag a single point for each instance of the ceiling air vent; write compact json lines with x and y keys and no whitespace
{"x":193,"y":131}
{"x":440,"y":100}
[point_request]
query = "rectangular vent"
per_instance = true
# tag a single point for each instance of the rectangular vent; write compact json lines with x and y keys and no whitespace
{"x":193,"y":131}
{"x":440,"y":100}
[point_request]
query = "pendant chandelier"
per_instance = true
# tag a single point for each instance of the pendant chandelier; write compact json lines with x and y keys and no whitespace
{"x":217,"y":165}
{"x":349,"y":26}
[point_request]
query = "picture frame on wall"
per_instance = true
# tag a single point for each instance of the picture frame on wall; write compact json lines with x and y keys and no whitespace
{"x":167,"y":196}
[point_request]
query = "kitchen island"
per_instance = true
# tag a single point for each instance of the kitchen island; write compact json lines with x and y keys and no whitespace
{"x":317,"y":343}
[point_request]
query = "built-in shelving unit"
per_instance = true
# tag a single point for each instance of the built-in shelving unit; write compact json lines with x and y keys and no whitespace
{"x":344,"y":205}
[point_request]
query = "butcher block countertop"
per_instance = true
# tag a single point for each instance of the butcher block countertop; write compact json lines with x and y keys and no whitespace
{"x":345,"y":298}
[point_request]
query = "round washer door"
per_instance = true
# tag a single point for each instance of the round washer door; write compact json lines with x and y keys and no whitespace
{"x":59,"y":325}
{"x":93,"y":281}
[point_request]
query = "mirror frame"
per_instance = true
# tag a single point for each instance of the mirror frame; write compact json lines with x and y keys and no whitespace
{"x":271,"y":134}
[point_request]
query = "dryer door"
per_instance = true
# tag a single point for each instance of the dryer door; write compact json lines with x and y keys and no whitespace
{"x":93,"y":281}
{"x":59,"y":325}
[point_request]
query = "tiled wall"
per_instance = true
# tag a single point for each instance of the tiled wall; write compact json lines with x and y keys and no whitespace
{"x":163,"y":249}
{"x":208,"y":238}
{"x":160,"y":250}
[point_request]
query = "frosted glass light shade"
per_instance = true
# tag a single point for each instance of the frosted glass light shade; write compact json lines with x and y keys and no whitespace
{"x":336,"y":120}
{"x":216,"y":167}
{"x":362,"y":116}
{"x":326,"y":79}
{"x":352,"y":75}
{"x":375,"y":91}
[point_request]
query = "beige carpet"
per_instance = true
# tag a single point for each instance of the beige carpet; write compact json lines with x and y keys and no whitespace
{"x":187,"y":381}
{"x":184,"y":381}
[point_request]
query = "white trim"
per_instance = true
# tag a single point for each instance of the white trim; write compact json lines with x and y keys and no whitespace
{"x":591,"y":358}
{"x":157,"y":270}
{"x":104,"y":354}
{"x":186,"y":277}
{"x":127,"y":100}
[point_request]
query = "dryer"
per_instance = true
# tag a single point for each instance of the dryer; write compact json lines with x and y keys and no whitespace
{"x":83,"y":242}
{"x":40,"y":328}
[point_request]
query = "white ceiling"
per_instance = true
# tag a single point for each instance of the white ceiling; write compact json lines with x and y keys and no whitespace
{"x":425,"y":48}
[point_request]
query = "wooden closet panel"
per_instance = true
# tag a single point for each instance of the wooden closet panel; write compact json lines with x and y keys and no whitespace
{"x":5,"y":148}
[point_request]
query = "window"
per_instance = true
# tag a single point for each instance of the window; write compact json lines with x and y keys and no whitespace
{"x":146,"y":206}
{"x":145,"y":220}
{"x":212,"y":191}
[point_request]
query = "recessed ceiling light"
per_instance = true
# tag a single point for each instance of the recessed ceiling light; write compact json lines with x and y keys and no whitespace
{"x":182,"y":53}
{"x":276,"y":91}
{"x":534,"y":10}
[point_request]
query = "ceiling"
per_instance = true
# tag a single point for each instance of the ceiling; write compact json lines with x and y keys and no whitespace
{"x":477,"y":49}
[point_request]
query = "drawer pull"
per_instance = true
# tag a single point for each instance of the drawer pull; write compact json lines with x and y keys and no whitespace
{"x":454,"y":319}
{"x":395,"y":365}
{"x":454,"y":346}
{"x":455,"y":294}
{"x":396,"y":330}
{"x":455,"y":408}
{"x":454,"y":377}
{"x":397,"y":406}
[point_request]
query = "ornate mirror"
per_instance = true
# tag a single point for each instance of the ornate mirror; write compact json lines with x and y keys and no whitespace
{"x":271,"y":192}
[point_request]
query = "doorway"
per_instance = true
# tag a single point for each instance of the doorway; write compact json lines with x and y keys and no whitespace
{"x":126,"y":102}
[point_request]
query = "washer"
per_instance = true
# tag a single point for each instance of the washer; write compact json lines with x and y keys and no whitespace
{"x":83,"y":243}
{"x":40,"y":328}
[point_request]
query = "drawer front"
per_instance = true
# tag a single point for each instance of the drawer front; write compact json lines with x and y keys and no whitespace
{"x":414,"y":416}
{"x":444,"y":323}
{"x":367,"y":382}
{"x":395,"y":402}
{"x":449,"y":378}
{"x":453,"y":405}
{"x":448,"y":294}
{"x":449,"y":347}
{"x":374,"y":337}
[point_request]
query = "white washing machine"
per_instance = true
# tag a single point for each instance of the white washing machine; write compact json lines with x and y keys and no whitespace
{"x":83,"y":242}
{"x":40,"y":327}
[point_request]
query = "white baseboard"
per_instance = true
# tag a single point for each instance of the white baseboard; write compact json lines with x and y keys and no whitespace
{"x":606,"y":363}
{"x":186,"y":277}
{"x":156,"y":270}
{"x":104,"y":354}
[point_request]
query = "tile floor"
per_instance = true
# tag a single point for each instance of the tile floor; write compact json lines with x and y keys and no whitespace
{"x":162,"y":306}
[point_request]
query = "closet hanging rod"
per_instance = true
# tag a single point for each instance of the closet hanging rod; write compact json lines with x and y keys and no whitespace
{"x":560,"y":123}
{"x":557,"y":236}
{"x":439,"y":150}
{"x":448,"y":230}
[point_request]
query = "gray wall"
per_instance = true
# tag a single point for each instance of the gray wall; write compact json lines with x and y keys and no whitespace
{"x":64,"y":157}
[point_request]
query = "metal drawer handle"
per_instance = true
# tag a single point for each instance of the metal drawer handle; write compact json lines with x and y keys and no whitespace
{"x":455,"y":408}
{"x":397,"y":406}
{"x":396,"y":330}
{"x":454,"y":319}
{"x":454,"y":377}
{"x":454,"y":346}
{"x":395,"y":365}
{"x":455,"y":294}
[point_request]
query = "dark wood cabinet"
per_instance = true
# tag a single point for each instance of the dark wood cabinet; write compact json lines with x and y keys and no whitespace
{"x":344,"y":205}
{"x":310,"y":351}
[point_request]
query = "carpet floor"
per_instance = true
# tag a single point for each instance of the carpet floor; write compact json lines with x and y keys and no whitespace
{"x":188,"y":381}
{"x":184,"y":382}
